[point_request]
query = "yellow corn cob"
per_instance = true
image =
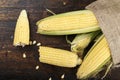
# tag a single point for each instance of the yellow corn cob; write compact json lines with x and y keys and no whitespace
{"x":68,"y":23}
{"x":81,"y":41}
{"x":21,"y":35}
{"x":58,"y":57}
{"x":95,"y":60}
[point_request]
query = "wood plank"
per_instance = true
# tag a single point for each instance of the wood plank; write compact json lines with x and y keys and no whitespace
{"x":12,"y":65}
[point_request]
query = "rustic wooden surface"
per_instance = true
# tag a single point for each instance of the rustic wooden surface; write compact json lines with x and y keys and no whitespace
{"x":12,"y":64}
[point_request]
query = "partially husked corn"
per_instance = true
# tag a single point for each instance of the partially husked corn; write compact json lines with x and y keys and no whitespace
{"x":68,"y":23}
{"x":58,"y":57}
{"x":98,"y":36}
{"x":94,"y":61}
{"x":21,"y":34}
{"x":81,"y":41}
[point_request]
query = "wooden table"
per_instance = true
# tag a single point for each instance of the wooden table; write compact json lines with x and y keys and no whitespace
{"x":12,"y":64}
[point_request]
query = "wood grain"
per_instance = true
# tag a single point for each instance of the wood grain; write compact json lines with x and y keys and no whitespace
{"x":12,"y":65}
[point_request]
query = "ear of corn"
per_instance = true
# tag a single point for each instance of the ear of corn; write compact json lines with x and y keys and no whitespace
{"x":21,"y":34}
{"x":58,"y":57}
{"x":68,"y":23}
{"x":81,"y":41}
{"x":95,"y":60}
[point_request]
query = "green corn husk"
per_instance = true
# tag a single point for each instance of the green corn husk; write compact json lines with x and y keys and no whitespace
{"x":98,"y":36}
{"x":95,"y":60}
{"x":68,"y":23}
{"x":81,"y":41}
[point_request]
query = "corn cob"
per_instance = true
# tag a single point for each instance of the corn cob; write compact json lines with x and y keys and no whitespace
{"x":68,"y":23}
{"x":58,"y":57}
{"x":21,"y":34}
{"x":95,"y":60}
{"x":81,"y":41}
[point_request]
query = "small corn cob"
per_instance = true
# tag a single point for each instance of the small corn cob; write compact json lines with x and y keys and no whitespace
{"x":68,"y":23}
{"x":21,"y":35}
{"x":58,"y":57}
{"x":95,"y":60}
{"x":81,"y":41}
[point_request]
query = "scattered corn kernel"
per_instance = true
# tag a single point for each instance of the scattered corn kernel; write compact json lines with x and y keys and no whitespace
{"x":24,"y":55}
{"x":9,"y":51}
{"x":38,"y":44}
{"x":62,"y":77}
{"x":30,"y":43}
{"x":50,"y":78}
{"x":34,"y":42}
{"x":64,"y":3}
{"x":37,"y":67}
